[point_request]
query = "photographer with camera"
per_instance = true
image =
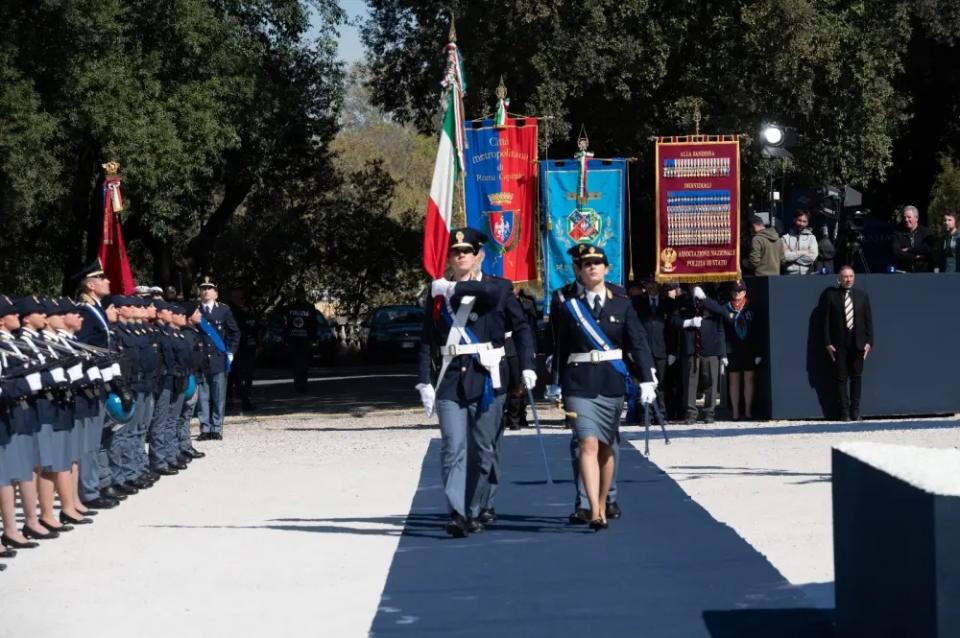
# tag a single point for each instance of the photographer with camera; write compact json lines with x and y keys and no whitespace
{"x":912,"y":244}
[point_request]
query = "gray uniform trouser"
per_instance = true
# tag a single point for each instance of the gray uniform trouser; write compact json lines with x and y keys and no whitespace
{"x":183,"y":427}
{"x":213,"y":400}
{"x":580,"y":501}
{"x":142,"y":429}
{"x":171,"y":452}
{"x":123,"y":459}
{"x":90,"y":461}
{"x":468,"y":453}
{"x":700,"y":374}
{"x":159,"y":435}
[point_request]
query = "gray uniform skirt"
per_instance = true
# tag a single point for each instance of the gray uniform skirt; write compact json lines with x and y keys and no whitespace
{"x":18,"y":456}
{"x":53,"y":449}
{"x":597,"y":417}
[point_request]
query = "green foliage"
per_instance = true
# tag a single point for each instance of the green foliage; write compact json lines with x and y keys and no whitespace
{"x":945,"y":195}
{"x":635,"y":68}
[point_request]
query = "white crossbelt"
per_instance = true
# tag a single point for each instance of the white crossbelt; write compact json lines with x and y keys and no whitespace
{"x":595,"y":356}
{"x":456,"y":349}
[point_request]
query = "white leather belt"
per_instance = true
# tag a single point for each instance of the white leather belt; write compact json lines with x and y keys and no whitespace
{"x":456,"y":349}
{"x":595,"y":356}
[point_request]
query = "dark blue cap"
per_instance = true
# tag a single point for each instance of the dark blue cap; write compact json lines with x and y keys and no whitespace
{"x":29,"y":306}
{"x":467,"y":237}
{"x":68,"y":305}
{"x":176,"y":309}
{"x":587,"y":252}
{"x":7,"y":306}
{"x":51,"y":306}
{"x":189,"y":307}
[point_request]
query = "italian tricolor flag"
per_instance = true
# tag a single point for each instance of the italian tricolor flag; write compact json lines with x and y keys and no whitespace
{"x":446,"y":170}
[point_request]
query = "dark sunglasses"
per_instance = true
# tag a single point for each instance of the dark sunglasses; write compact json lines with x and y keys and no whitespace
{"x":462,"y":251}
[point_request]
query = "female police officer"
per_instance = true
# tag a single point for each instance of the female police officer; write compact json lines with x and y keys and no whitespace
{"x":595,"y":325}
{"x":467,"y":318}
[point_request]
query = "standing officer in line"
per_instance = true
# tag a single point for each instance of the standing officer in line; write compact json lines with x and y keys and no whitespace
{"x":241,"y":372}
{"x":299,"y":330}
{"x":223,"y":335}
{"x":466,"y":320}
{"x":595,"y":329}
{"x":199,"y":364}
{"x":848,"y":334}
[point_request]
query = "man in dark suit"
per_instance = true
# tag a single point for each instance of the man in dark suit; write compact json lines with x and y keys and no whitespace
{"x":703,"y":351}
{"x":848,"y":334}
{"x":222,"y":333}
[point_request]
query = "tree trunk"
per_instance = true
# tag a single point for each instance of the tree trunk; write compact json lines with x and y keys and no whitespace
{"x":201,"y":248}
{"x":82,"y":207}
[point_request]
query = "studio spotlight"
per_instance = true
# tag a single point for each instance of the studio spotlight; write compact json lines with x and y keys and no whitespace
{"x":771,"y":135}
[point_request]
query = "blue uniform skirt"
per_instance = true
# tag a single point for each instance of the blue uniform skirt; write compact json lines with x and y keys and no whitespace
{"x":53,"y":448}
{"x":18,"y":457}
{"x":597,"y":417}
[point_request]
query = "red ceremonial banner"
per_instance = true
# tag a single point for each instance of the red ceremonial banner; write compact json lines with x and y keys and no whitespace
{"x":113,"y":252}
{"x":698,"y":208}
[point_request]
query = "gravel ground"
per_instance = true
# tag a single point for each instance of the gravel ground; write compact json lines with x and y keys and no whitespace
{"x":289,"y":525}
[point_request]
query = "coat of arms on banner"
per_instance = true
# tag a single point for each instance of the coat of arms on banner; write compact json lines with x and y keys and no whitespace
{"x":584,"y":225}
{"x":504,"y":228}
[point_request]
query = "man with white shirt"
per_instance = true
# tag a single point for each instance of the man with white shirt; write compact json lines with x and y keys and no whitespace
{"x":466,"y":319}
{"x":222,"y":334}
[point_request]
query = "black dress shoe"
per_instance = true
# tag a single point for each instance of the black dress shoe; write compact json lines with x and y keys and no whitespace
{"x":216,"y":436}
{"x":101,"y":503}
{"x":689,"y":421}
{"x":195,"y":453}
{"x":140,"y":484}
{"x":204,"y":436}
{"x":184,"y":459}
{"x":66,"y":519}
{"x":596,"y":525}
{"x":51,"y":528}
{"x":29,"y":533}
{"x":6,"y":541}
{"x":110,"y":492}
{"x":2,"y":567}
{"x":475,"y":527}
{"x":150,"y":475}
{"x":487,"y":515}
{"x":8,"y":553}
{"x":178,"y":466}
{"x":855,"y":415}
{"x":166,"y":471}
{"x":579,"y":517}
{"x":613,"y":510}
{"x":708,"y":419}
{"x":89,"y":513}
{"x":123,"y":488}
{"x":457,"y":527}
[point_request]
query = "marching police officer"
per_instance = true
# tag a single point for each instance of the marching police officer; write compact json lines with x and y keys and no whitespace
{"x":466,"y":320}
{"x":222,"y":333}
{"x":599,"y":344}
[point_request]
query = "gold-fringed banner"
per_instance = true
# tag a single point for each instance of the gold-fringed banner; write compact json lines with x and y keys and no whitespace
{"x":698,"y":208}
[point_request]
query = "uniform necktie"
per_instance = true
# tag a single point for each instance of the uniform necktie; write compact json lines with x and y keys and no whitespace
{"x":848,"y":310}
{"x":597,"y":307}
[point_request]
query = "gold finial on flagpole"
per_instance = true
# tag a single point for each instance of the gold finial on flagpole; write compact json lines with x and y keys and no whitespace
{"x":111,"y":168}
{"x":452,"y":36}
{"x":501,"y":90}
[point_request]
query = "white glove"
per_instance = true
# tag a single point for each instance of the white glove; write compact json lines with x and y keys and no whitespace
{"x":548,"y":362}
{"x":58,"y":375}
{"x":724,"y":362}
{"x":106,"y":374}
{"x":441,"y":288}
{"x":33,"y":380}
{"x":94,"y":374}
{"x":553,"y":393}
{"x":653,"y":372}
{"x":230,"y":358}
{"x":698,"y":293}
{"x":671,"y":359}
{"x":688,"y":323}
{"x":648,"y":392}
{"x":529,"y":379}
{"x":697,"y":321}
{"x":757,"y":360}
{"x":115,"y":369}
{"x":427,"y":397}
{"x":75,"y":373}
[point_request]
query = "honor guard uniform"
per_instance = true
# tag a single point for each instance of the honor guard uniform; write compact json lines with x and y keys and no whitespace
{"x":223,"y":335}
{"x":466,"y":321}
{"x":199,"y":364}
{"x":599,"y":343}
{"x":162,"y":436}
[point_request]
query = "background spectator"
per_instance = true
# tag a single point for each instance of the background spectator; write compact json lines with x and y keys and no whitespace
{"x":800,"y":248}
{"x":766,"y":249}
{"x":912,"y":244}
{"x":702,"y":351}
{"x":743,"y":350}
{"x":947,"y":259}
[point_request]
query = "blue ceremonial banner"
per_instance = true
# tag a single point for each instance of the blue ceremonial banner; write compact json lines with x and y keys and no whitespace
{"x":600,"y":221}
